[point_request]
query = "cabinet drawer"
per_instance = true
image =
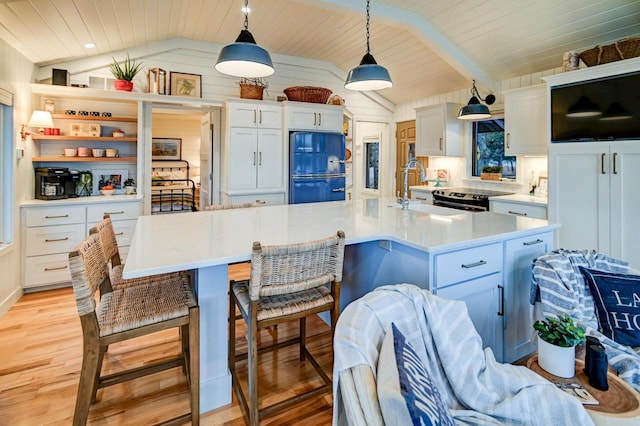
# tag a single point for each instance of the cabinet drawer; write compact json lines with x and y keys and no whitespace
{"x":266,"y":199}
{"x":117,"y":211}
{"x":463,"y":265}
{"x":43,"y":270}
{"x":53,"y":239}
{"x":54,"y":216}
{"x":519,"y":209}
{"x":123,"y":230}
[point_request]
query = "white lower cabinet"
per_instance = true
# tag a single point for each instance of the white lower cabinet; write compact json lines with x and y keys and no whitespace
{"x":49,"y":233}
{"x":473,"y":275}
{"x":518,"y":325}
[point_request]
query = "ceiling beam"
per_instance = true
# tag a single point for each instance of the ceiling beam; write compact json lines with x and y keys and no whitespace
{"x":420,"y":28}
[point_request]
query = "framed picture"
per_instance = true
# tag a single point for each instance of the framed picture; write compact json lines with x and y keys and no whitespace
{"x":189,"y":85}
{"x":115,"y":178}
{"x":543,"y":183}
{"x":166,"y":149}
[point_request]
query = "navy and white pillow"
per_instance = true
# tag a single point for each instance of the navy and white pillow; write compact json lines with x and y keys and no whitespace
{"x":617,"y":300}
{"x":406,"y":392}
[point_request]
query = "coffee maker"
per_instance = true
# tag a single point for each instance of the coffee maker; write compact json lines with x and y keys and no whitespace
{"x":55,"y":183}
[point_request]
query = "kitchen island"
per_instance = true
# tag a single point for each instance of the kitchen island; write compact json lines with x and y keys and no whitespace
{"x":450,"y":252}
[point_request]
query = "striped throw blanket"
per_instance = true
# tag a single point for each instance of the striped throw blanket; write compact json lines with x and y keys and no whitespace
{"x":477,"y":389}
{"x":560,"y":287}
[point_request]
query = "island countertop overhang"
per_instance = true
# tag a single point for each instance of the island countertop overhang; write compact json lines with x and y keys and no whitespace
{"x":168,"y":243}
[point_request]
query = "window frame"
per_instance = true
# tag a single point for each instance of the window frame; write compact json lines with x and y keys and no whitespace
{"x":473,"y":170}
{"x":7,"y":166}
{"x":366,"y":141}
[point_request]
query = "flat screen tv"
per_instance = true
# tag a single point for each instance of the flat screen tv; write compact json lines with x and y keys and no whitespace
{"x":594,"y":110}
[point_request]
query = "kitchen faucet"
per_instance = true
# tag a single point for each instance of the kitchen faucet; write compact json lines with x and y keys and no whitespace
{"x":423,"y":177}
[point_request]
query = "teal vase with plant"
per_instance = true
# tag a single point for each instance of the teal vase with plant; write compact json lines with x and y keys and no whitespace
{"x":557,"y":341}
{"x":125,"y":73}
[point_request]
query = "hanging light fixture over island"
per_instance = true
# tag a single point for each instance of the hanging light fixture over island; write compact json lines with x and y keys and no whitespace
{"x":245,"y":58}
{"x":368,"y":75}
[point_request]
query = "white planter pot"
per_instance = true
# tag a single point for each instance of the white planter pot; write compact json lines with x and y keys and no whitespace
{"x":557,"y":360}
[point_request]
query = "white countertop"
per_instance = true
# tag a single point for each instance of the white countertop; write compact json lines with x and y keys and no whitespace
{"x":167,"y":243}
{"x":521,"y":199}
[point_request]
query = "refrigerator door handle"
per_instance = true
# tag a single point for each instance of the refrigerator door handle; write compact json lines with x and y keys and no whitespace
{"x":337,"y":190}
{"x":318,"y":176}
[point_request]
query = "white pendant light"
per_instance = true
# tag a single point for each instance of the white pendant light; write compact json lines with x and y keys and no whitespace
{"x":368,"y":75}
{"x":245,"y":58}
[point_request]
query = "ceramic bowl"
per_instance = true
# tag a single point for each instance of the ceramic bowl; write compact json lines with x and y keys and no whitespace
{"x":98,"y":152}
{"x":112,"y":152}
{"x":84,"y":152}
{"x":70,"y":152}
{"x":107,"y":191}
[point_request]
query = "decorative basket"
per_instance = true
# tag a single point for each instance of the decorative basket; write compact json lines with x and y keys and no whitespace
{"x":490,"y":176}
{"x":251,"y":91}
{"x":316,"y":95}
{"x":622,"y":49}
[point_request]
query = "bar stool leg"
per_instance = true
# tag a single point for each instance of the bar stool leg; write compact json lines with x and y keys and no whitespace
{"x":254,"y":414}
{"x":194,"y":363}
{"x":303,"y":337}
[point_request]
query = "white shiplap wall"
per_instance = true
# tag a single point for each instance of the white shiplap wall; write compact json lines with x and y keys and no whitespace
{"x":16,"y":73}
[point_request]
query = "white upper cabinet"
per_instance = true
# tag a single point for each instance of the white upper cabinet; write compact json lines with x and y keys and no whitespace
{"x":315,"y":117}
{"x":439,"y":131}
{"x":525,"y":112}
{"x":255,"y":114}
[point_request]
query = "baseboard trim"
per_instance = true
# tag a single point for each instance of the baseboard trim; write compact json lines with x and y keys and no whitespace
{"x":10,"y":300}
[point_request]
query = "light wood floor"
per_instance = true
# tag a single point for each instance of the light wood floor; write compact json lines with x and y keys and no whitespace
{"x":41,"y":355}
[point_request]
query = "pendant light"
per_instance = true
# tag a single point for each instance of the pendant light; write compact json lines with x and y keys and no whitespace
{"x":368,"y":75}
{"x":616,"y":112}
{"x":583,"y":108}
{"x":245,"y":58}
{"x":474,"y":110}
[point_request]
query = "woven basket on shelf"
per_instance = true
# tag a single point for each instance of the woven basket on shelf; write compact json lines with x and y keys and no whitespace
{"x":251,"y":91}
{"x":622,"y":49}
{"x":490,"y":176}
{"x":316,"y":95}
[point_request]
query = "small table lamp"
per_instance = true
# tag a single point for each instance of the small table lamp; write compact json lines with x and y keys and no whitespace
{"x":39,"y":119}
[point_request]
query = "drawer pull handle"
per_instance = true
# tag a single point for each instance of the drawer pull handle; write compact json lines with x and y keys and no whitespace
{"x":55,"y":269}
{"x":501,"y":312}
{"x":110,"y":213}
{"x":56,"y":217}
{"x":473,"y":265}
{"x":56,"y":240}
{"x":532,"y":243}
{"x":119,"y":233}
{"x":518,"y":213}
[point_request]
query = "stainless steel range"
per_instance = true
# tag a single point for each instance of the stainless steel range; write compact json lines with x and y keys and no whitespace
{"x":469,"y":199}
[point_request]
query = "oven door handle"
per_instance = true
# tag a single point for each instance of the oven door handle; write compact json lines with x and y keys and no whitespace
{"x":459,"y":206}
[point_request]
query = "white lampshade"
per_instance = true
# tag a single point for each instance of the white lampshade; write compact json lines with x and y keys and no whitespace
{"x":40,"y":119}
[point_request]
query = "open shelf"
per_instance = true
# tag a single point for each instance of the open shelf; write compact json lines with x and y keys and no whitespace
{"x":84,"y":138}
{"x":84,"y":159}
{"x":93,"y":118}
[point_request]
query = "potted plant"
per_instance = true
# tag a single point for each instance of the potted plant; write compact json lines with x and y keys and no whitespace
{"x":557,"y":341}
{"x":491,"y":173}
{"x":125,"y":73}
{"x":252,"y":88}
{"x":130,"y":186}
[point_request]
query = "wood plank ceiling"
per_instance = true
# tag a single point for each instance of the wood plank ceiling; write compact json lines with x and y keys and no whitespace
{"x":429,"y":47}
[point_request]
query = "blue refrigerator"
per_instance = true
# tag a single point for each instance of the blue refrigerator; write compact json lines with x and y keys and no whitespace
{"x":316,"y":167}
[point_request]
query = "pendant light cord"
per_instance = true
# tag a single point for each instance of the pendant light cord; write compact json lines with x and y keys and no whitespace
{"x":368,"y":50}
{"x":246,"y":14}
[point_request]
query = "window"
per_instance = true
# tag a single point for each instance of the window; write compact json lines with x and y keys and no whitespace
{"x":372,"y":163}
{"x":488,"y":146}
{"x":6,"y":167}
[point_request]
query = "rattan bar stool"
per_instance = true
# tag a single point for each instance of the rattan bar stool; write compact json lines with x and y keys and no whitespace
{"x":287,"y":282}
{"x":108,"y":239}
{"x":127,"y":313}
